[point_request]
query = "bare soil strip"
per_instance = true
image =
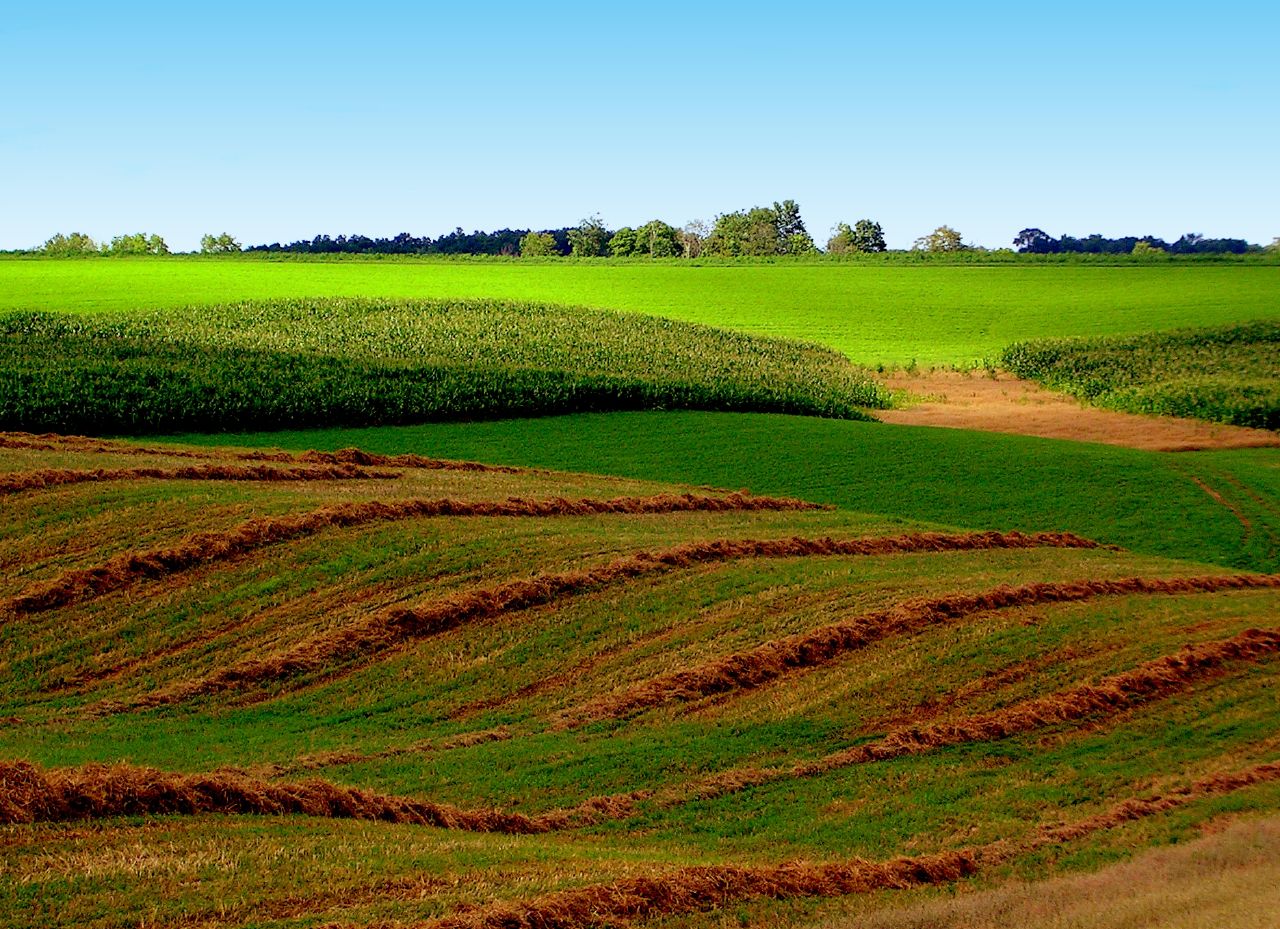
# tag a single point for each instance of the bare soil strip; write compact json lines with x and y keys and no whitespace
{"x":386,"y":630}
{"x":31,"y":794}
{"x":1006,"y":404}
{"x":208,"y":547}
{"x":16,"y":482}
{"x":765,"y":663}
{"x":687,"y":890}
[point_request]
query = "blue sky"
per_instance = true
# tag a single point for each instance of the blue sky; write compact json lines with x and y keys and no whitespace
{"x":281,"y":121}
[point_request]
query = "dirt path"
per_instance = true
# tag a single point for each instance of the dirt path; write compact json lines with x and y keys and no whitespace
{"x":1007,"y":404}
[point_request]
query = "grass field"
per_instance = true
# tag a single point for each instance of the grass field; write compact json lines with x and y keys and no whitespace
{"x":391,"y":689}
{"x":330,"y":362}
{"x":1220,"y":507}
{"x":876,"y":314}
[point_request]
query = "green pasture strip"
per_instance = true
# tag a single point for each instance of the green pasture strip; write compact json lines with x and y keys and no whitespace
{"x":334,"y":362}
{"x":1227,"y":374}
{"x":933,"y":314}
{"x":1145,"y":501}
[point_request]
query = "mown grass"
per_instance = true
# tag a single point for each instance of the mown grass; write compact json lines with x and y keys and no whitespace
{"x":291,"y":871}
{"x":335,"y":362}
{"x":1145,"y":501}
{"x":1228,"y":374}
{"x":874,"y":313}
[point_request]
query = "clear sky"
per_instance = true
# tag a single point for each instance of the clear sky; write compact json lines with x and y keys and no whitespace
{"x":277,"y":121}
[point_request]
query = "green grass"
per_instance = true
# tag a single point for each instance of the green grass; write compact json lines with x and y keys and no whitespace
{"x":1146,"y":501}
{"x":874,"y":313}
{"x":331,"y":362}
{"x":1229,"y":374}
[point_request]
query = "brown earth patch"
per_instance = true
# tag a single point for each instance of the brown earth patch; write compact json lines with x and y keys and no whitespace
{"x":955,"y":400}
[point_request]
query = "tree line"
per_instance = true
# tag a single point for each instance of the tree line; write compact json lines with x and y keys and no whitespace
{"x":758,"y":232}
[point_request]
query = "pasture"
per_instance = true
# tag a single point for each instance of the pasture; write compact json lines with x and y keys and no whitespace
{"x":890,"y":314}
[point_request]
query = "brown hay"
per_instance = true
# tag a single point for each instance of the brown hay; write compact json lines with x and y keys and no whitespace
{"x":31,"y":794}
{"x":1153,"y":680}
{"x":16,"y":482}
{"x":207,"y":547}
{"x":689,"y":890}
{"x":765,"y":663}
{"x":387,"y":629}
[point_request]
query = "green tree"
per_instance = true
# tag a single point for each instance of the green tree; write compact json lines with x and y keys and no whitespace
{"x":1144,"y":249}
{"x":590,"y":239}
{"x":218,"y":244}
{"x":623,"y":242}
{"x":942,"y":239}
{"x":76,"y":243}
{"x":658,"y":240}
{"x":693,"y":237}
{"x":537,"y":245}
{"x":753,"y":233}
{"x":863,"y":236}
{"x":139,"y":243}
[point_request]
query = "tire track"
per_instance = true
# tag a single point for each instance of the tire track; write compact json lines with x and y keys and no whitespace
{"x":391,"y":628}
{"x":203,"y":548}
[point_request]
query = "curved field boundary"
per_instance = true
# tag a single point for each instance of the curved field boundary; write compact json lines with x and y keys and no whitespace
{"x":31,"y":794}
{"x":765,"y":663}
{"x":393,"y":627}
{"x":208,"y":547}
{"x":19,"y":481}
{"x":687,"y":890}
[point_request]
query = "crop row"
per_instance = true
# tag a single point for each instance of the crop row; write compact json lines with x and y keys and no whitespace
{"x":344,"y":362}
{"x":1228,"y":374}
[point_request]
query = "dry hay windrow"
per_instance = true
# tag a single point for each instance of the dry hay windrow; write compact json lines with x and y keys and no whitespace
{"x":688,"y":890}
{"x":52,"y":442}
{"x":16,"y":482}
{"x":765,"y":663}
{"x":208,"y":547}
{"x":392,"y":627}
{"x":30,"y":794}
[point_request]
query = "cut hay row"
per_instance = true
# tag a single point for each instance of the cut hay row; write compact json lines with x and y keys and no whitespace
{"x":765,"y":663}
{"x":390,"y":628}
{"x":1152,"y":680}
{"x":209,"y":547}
{"x":688,"y":890}
{"x":52,"y":442}
{"x":334,"y":758}
{"x":30,"y":794}
{"x":16,"y":482}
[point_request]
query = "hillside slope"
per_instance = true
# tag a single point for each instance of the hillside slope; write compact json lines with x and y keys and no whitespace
{"x":251,"y":689}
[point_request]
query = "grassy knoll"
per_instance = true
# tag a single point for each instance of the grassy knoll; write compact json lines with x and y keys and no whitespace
{"x":1229,"y":374}
{"x":874,"y":313}
{"x":493,"y":631}
{"x":299,"y":363}
{"x":1151,"y":502}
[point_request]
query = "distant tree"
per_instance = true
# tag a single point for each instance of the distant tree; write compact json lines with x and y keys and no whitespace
{"x":1144,"y":249}
{"x":139,"y":243}
{"x":1274,"y":246}
{"x":590,"y":239}
{"x":942,"y":239}
{"x":218,"y":244}
{"x":623,"y":242}
{"x":753,"y":233}
{"x":863,"y":236}
{"x":538,"y":245}
{"x":658,"y":240}
{"x":76,"y":243}
{"x":693,"y":236}
{"x":1036,"y":242}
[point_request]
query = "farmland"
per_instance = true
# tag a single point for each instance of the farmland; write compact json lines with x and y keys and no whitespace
{"x":344,"y":697}
{"x":351,"y":632}
{"x":875,"y":313}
